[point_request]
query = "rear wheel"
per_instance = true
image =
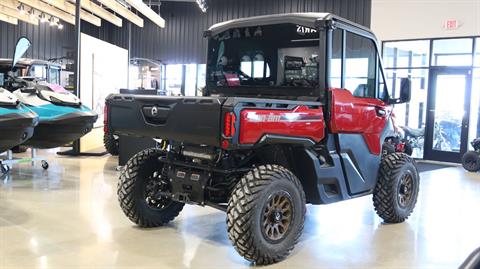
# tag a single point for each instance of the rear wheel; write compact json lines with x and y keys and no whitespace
{"x":396,"y":191}
{"x":265,"y":214}
{"x":138,"y":191}
{"x":111,"y":143}
{"x":471,"y":161}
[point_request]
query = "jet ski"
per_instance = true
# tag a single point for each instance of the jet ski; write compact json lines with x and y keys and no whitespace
{"x":62,"y":117}
{"x":17,"y":122}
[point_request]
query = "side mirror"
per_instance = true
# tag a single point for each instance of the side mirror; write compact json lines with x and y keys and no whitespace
{"x":22,"y":46}
{"x":405,"y":92}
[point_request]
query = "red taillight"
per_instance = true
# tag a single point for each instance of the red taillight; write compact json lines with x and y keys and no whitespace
{"x":105,"y":118}
{"x":229,"y":124}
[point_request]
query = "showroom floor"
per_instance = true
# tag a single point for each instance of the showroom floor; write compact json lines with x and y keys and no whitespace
{"x":68,"y":217}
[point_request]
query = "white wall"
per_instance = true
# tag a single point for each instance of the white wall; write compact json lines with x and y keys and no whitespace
{"x":408,"y":19}
{"x":104,"y":70}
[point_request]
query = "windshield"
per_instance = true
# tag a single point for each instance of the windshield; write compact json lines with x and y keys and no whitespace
{"x":271,"y":56}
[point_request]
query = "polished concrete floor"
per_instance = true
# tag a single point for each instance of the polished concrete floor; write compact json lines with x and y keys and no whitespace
{"x":68,"y":217}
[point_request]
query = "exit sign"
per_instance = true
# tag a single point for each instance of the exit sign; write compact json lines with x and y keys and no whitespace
{"x":451,"y":24}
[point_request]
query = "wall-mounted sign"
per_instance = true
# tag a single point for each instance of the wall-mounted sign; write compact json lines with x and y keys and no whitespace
{"x":451,"y":24}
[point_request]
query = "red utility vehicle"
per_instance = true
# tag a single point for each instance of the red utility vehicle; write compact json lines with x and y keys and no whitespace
{"x":296,"y":111}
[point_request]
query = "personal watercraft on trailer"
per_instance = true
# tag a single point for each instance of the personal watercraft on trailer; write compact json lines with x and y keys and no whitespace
{"x":16,"y":121}
{"x":62,"y":117}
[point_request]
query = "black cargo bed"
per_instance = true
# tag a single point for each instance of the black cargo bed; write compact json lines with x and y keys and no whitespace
{"x":193,"y":120}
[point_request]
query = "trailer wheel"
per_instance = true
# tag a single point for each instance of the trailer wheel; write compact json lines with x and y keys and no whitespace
{"x":471,"y":161}
{"x":396,"y":191}
{"x":265,"y":214}
{"x":110,"y":143}
{"x":138,"y":188}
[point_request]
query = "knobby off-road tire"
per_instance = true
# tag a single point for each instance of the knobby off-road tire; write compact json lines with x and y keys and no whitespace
{"x":471,"y":161}
{"x":140,"y":172}
{"x":110,"y":143}
{"x":396,"y":191}
{"x":265,"y":214}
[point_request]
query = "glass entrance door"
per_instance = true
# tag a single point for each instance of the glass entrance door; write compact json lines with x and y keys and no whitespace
{"x":448,"y":111}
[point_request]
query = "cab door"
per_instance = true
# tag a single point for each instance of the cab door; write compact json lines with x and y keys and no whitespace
{"x":359,"y":118}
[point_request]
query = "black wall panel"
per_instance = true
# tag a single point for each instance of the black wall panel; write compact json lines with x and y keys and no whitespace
{"x":47,"y":42}
{"x":182,"y":40}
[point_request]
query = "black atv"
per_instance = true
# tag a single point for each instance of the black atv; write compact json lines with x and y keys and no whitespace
{"x":471,"y":159}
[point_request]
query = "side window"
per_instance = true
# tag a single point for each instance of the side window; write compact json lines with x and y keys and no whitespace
{"x":382,"y":86}
{"x":246,"y":65}
{"x":38,"y":71}
{"x":54,"y":75}
{"x":336,"y":60}
{"x":260,"y":67}
{"x":360,"y":66}
{"x":255,"y":66}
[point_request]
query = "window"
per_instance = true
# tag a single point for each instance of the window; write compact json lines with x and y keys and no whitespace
{"x":283,"y":56}
{"x":39,"y":71}
{"x":476,"y":62}
{"x":360,"y":66}
{"x":452,"y":52}
{"x":254,"y":68}
{"x":259,"y":67}
{"x":54,"y":75}
{"x":336,"y":61}
{"x":246,"y":65}
{"x":382,"y":90}
{"x":406,"y":54}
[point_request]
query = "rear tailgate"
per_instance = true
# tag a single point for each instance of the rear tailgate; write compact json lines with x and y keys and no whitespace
{"x":193,"y":120}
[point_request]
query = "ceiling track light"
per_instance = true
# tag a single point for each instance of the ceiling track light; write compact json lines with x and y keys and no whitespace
{"x":52,"y":21}
{"x":21,"y":9}
{"x":202,"y":4}
{"x":43,"y":18}
{"x":31,"y":13}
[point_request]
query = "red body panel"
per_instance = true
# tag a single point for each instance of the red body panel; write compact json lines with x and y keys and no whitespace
{"x":299,"y":122}
{"x":352,"y":114}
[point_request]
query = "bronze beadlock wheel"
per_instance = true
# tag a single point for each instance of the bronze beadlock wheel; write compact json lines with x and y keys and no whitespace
{"x":396,"y":191}
{"x":405,"y":190}
{"x":277,"y":216}
{"x":266,"y":214}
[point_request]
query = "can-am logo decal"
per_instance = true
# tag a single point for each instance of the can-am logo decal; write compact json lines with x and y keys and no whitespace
{"x":302,"y":30}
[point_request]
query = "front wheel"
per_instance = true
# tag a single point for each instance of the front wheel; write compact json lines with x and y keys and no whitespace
{"x":471,"y":161}
{"x":396,"y":191}
{"x":265,"y":214}
{"x":138,"y":191}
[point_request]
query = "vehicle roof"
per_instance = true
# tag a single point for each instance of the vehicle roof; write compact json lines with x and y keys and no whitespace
{"x":27,"y":62}
{"x":309,"y":19}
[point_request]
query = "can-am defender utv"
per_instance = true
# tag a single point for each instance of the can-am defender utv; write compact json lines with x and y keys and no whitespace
{"x":297,"y":112}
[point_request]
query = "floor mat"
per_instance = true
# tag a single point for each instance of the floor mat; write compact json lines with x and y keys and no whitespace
{"x":424,"y":167}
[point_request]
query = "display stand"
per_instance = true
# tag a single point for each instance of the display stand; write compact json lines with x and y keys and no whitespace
{"x":6,"y":164}
{"x":75,"y":151}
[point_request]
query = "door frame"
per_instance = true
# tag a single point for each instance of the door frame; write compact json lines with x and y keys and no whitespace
{"x":429,"y":152}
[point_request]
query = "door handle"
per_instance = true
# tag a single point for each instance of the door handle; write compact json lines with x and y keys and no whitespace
{"x":380,"y":112}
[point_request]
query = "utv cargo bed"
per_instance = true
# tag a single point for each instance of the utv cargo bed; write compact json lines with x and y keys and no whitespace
{"x":193,"y":120}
